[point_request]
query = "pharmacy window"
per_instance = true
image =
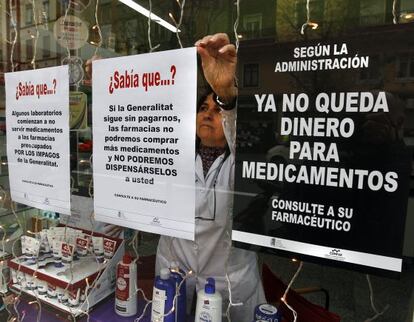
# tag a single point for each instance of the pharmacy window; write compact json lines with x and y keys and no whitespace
{"x":251,"y":75}
{"x":372,"y":12}
{"x":405,"y":66}
{"x":252,"y":25}
{"x":29,"y":49}
{"x":46,"y":46}
{"x":373,"y":72}
{"x":29,"y":14}
{"x":46,"y":8}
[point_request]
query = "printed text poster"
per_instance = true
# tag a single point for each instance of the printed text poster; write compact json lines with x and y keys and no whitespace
{"x":37,"y":121}
{"x":144,"y":132}
{"x":322,"y":167}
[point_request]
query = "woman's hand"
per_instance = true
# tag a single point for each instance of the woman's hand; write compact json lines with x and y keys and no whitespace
{"x":219,"y":61}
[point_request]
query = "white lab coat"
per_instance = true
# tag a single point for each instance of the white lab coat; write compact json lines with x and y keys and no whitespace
{"x":211,"y":251}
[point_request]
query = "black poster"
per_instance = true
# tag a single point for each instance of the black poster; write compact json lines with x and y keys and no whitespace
{"x":323,"y":165}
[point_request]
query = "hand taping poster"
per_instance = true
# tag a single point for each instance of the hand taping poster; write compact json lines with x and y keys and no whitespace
{"x":144,"y":132}
{"x":322,"y":172}
{"x":37,"y":121}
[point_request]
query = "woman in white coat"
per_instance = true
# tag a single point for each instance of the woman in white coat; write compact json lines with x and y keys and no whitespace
{"x":211,"y":254}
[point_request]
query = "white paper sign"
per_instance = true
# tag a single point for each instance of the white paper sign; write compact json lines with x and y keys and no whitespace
{"x":37,"y":123}
{"x":82,"y":216}
{"x":144,"y":141}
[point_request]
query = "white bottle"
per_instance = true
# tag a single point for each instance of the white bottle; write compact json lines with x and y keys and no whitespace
{"x":125,"y":292}
{"x":72,"y":298}
{"x":209,"y":303}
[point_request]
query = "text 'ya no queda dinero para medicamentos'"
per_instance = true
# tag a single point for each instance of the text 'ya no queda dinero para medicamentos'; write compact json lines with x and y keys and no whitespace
{"x":321,"y":176}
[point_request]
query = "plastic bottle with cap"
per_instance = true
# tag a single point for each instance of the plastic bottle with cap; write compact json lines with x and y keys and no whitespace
{"x":125,"y":292}
{"x":267,"y":312}
{"x":209,"y":303}
{"x":177,"y":277}
{"x":162,"y":297}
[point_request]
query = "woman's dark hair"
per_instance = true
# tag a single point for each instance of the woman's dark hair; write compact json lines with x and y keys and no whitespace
{"x":200,"y":102}
{"x":203,"y":97}
{"x":205,"y":93}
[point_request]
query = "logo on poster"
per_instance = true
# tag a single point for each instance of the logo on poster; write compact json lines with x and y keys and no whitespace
{"x":335,"y":254}
{"x":156,"y":221}
{"x":276,"y":243}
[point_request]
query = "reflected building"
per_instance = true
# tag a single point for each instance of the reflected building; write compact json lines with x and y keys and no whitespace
{"x":365,"y":26}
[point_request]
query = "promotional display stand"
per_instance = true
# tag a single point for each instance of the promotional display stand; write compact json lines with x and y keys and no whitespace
{"x":96,"y":281}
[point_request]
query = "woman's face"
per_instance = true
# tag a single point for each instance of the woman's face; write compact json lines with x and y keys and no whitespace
{"x":209,"y":127}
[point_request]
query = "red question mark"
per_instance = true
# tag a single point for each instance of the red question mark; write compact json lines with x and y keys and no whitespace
{"x":54,"y":85}
{"x":173,"y":70}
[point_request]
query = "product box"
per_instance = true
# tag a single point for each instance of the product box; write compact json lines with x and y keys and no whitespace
{"x":38,"y":224}
{"x":4,"y":272}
